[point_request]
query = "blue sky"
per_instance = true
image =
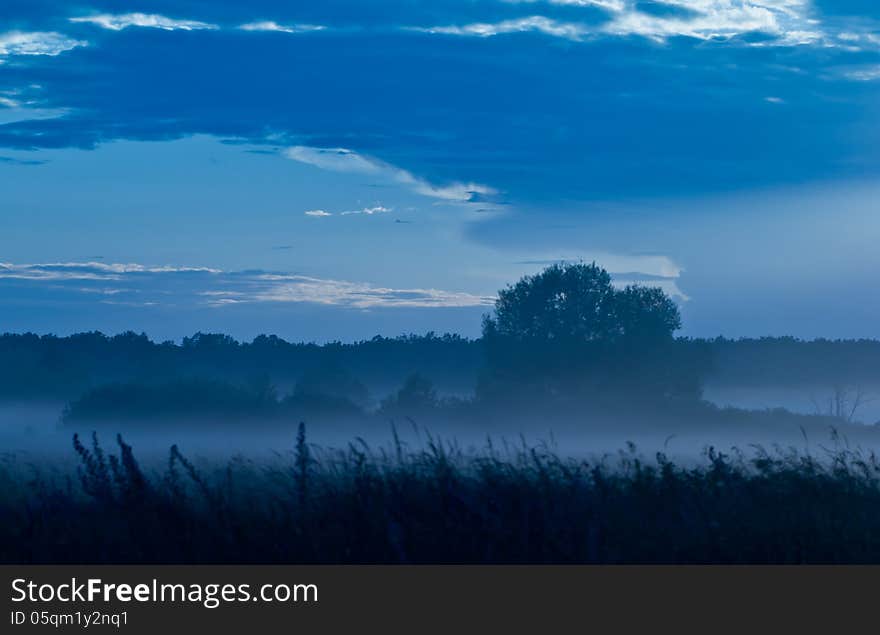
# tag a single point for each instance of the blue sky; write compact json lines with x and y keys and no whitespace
{"x":345,"y":168}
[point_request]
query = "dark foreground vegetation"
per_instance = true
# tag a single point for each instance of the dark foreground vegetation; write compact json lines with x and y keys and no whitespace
{"x":441,"y":504}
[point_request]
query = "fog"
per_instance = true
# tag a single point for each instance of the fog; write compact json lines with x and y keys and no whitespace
{"x":34,"y":434}
{"x":862,"y":402}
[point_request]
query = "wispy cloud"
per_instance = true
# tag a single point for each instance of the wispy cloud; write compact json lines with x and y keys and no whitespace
{"x":862,"y":74}
{"x":36,"y":43}
{"x":17,"y":161}
{"x":668,"y":285}
{"x":535,"y":23}
{"x":783,"y":22}
{"x":652,"y":265}
{"x":857,"y":39}
{"x":608,"y":5}
{"x":368,"y":211}
{"x":87,"y":270}
{"x":351,"y":294}
{"x":335,"y":159}
{"x":345,"y":160}
{"x":120,"y":21}
{"x":140,"y":285}
{"x":269,"y":25}
{"x":789,"y":22}
{"x":652,"y":270}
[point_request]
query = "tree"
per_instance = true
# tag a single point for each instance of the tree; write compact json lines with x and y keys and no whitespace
{"x":563,"y":302}
{"x":578,"y":303}
{"x":416,"y":396}
{"x":329,"y":387}
{"x":645,"y":314}
{"x":569,"y":332}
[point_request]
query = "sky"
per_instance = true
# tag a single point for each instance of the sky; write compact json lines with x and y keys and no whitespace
{"x":342,"y":169}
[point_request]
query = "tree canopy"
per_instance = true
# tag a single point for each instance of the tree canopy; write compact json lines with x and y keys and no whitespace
{"x":579,"y":303}
{"x":569,"y":331}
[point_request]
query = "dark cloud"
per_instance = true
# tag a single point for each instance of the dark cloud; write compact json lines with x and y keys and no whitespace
{"x":540,"y":118}
{"x":17,"y":161}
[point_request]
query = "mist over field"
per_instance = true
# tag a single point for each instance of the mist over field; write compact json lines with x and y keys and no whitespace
{"x":547,"y":380}
{"x":35,"y":432}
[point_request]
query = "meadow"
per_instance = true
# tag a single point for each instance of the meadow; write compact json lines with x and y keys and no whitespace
{"x":441,"y":503}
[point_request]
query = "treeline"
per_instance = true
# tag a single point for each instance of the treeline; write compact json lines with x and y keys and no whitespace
{"x":788,"y":361}
{"x":320,"y":394}
{"x":47,"y":367}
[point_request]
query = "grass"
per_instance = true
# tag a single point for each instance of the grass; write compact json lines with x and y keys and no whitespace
{"x":442,"y":504}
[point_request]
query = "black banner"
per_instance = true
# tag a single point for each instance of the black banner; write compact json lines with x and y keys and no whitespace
{"x":328,"y":599}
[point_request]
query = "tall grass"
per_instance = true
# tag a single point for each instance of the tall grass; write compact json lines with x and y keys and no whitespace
{"x":443,"y":504}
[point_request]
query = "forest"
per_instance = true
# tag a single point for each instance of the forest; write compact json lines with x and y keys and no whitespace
{"x":89,"y":369}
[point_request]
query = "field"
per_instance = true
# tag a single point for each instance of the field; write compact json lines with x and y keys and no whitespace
{"x":443,"y":504}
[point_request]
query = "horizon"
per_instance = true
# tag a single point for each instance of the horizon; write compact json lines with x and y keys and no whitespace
{"x":399,"y":336}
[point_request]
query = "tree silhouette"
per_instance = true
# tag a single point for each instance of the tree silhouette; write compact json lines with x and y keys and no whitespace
{"x":645,"y":314}
{"x":578,"y":303}
{"x":568,"y":331}
{"x":329,"y":388}
{"x":417,"y":395}
{"x":561,"y":302}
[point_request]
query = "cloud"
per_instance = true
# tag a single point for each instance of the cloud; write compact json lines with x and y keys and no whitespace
{"x":608,"y":5}
{"x":87,"y":270}
{"x":140,"y":285}
{"x":369,"y":211}
{"x":863,"y":74}
{"x":857,"y":40}
{"x":36,"y":43}
{"x":354,"y":294}
{"x":25,"y":114}
{"x":788,"y":21}
{"x":544,"y":124}
{"x":647,"y":265}
{"x":334,"y":159}
{"x":17,"y":161}
{"x":784,"y":22}
{"x":651,"y":270}
{"x":269,"y":25}
{"x":668,"y":285}
{"x":118,"y":22}
{"x":536,"y":23}
{"x":349,"y":161}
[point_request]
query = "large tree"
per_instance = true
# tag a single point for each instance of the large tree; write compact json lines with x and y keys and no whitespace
{"x":578,"y":303}
{"x":568,"y":331}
